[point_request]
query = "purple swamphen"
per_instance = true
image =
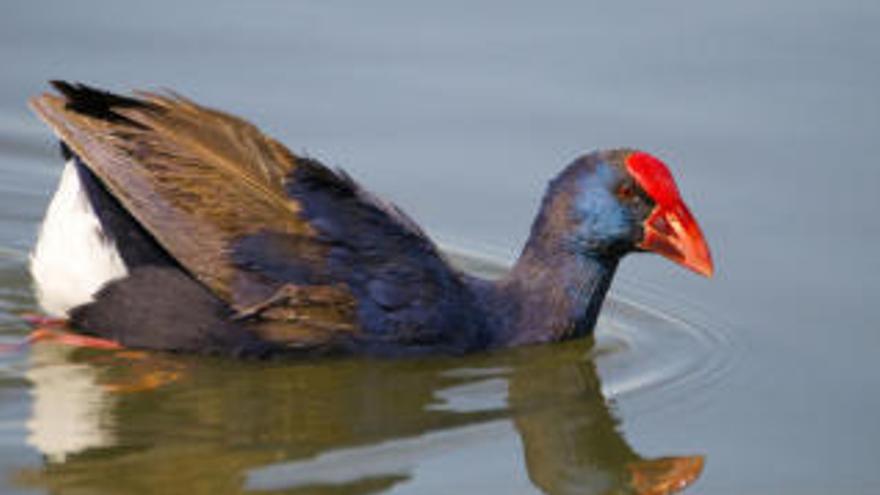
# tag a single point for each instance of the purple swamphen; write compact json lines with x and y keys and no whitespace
{"x":178,"y":227}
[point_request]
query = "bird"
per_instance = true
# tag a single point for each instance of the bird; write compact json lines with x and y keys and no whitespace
{"x":177,"y":227}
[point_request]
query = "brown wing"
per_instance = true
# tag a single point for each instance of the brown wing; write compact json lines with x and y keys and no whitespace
{"x":199,"y":180}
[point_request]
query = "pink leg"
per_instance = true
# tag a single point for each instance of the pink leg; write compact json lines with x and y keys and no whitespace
{"x":71,"y":339}
{"x":47,"y":328}
{"x":38,"y":320}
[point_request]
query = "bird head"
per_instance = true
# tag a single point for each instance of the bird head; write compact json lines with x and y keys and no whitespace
{"x":619,"y":201}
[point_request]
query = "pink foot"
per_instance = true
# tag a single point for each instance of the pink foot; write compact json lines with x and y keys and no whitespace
{"x":43,"y":321}
{"x":71,"y":339}
{"x":47,"y":328}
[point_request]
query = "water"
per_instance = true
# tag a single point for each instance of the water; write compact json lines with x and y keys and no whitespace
{"x":767,"y":112}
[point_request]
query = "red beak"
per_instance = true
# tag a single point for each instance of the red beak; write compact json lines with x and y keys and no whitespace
{"x":671,"y":231}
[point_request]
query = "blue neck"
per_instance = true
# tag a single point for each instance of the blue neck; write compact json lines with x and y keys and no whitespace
{"x":556,"y":299}
{"x":557,"y":287}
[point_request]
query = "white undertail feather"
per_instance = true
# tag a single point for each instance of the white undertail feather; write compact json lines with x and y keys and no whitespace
{"x":72,"y":259}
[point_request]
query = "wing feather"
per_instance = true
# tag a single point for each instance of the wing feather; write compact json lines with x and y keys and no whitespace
{"x":197,"y":179}
{"x":300,"y":249}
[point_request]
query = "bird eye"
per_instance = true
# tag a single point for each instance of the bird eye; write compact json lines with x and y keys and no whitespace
{"x":625,"y":191}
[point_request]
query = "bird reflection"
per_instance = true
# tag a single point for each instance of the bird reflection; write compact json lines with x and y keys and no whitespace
{"x":340,"y":426}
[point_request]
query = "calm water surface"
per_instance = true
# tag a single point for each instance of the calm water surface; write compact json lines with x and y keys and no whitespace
{"x":767,"y":111}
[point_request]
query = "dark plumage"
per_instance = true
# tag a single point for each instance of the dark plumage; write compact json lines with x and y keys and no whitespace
{"x":233,"y":245}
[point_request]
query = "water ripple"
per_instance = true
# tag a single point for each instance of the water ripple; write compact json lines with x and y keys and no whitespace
{"x":653,"y":352}
{"x":655,"y":359}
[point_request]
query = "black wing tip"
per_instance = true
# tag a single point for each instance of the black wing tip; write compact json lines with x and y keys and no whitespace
{"x":77,"y":92}
{"x":95,"y":102}
{"x":63,"y":87}
{"x":317,"y":176}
